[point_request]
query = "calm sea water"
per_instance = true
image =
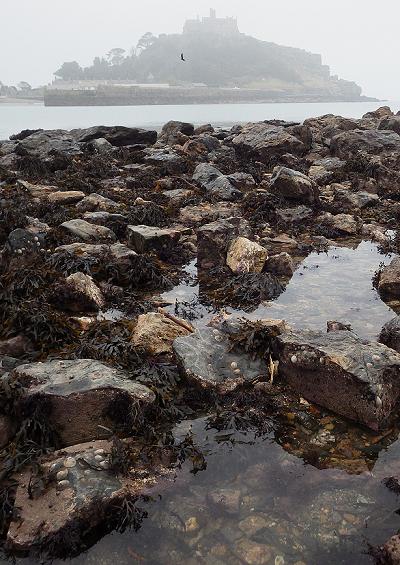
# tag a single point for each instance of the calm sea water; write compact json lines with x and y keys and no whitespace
{"x":16,"y":117}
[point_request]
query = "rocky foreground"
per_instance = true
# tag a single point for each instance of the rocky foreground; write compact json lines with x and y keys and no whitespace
{"x":95,"y":225}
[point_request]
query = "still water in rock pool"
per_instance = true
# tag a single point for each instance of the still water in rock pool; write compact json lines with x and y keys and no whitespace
{"x":308,"y":491}
{"x":336,"y":285}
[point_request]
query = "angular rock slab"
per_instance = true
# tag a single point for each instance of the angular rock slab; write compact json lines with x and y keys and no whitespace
{"x":81,"y":493}
{"x":147,"y":238}
{"x":206,"y":359}
{"x":337,"y":370}
{"x":156,"y":333}
{"x":82,"y":395}
{"x":88,"y":232}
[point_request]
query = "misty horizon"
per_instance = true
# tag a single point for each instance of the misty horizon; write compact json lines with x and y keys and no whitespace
{"x":46,"y":36}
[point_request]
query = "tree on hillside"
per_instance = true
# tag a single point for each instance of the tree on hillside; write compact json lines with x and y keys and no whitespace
{"x":69,"y":71}
{"x":146,"y":41}
{"x":23,"y":85}
{"x":116,"y":56}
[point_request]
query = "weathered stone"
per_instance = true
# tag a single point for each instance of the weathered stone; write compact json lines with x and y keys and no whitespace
{"x":347,"y":145}
{"x":174,"y":132}
{"x":242,"y":181}
{"x":82,"y":397}
{"x":323,"y":171}
{"x":117,"y":135}
{"x":280,"y":264}
{"x":46,"y":145}
{"x":345,"y":224}
{"x":207,"y":360}
{"x":391,"y":123}
{"x":347,"y":201}
{"x":325,"y":127}
{"x":389,"y":280}
{"x":96,"y":202}
{"x":342,"y":373}
{"x":103,"y":218}
{"x":119,"y":252}
{"x":245,"y":256}
{"x":264,"y":141}
{"x":155,"y":333}
{"x":215,"y":183}
{"x":379,"y":113}
{"x":68,"y":509}
{"x":206,"y":213}
{"x":143,"y":239}
{"x":88,"y":232}
{"x":168,"y":162}
{"x":213,"y":240}
{"x":296,"y":215}
{"x":178,"y":196}
{"x":65,"y":197}
{"x":390,"y":334}
{"x":78,"y":293}
{"x":281,"y":244}
{"x":293,"y":185}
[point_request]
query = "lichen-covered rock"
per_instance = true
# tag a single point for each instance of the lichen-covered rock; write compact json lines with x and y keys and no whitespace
{"x":245,"y":256}
{"x":88,"y":232}
{"x":84,"y":398}
{"x":293,"y":185}
{"x":206,"y":359}
{"x":389,"y":280}
{"x":156,"y":333}
{"x":342,"y":373}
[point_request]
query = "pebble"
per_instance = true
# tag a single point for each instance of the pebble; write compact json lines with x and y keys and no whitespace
{"x":70,"y":462}
{"x":293,"y":359}
{"x":378,"y":402}
{"x":234,"y":365}
{"x":99,"y":452}
{"x":61,"y":475}
{"x":104,"y":465}
{"x":99,"y":458}
{"x":62,"y":485}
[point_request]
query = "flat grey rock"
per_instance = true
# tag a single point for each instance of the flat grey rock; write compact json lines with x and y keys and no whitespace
{"x":206,"y":359}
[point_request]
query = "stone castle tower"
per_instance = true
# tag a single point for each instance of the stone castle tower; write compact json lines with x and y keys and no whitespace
{"x":212,"y":24}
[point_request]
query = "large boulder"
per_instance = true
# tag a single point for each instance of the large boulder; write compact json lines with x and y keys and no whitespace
{"x":342,"y":224}
{"x":155,"y":332}
{"x":46,"y":145}
{"x":83,"y":399}
{"x":348,"y":144}
{"x":342,"y":373}
{"x":214,"y":239}
{"x":293,"y":185}
{"x":264,"y":141}
{"x":174,"y":132}
{"x":389,"y":280}
{"x":167,"y":161}
{"x":325,"y":127}
{"x":215,"y":183}
{"x":207,"y":360}
{"x":117,"y":135}
{"x":391,"y":123}
{"x":245,"y":256}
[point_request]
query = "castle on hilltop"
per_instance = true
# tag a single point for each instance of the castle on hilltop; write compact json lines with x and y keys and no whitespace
{"x":212,"y":24}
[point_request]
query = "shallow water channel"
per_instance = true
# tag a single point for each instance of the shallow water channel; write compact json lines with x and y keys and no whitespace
{"x":310,"y":491}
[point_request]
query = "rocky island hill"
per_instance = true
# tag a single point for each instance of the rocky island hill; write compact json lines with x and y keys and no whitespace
{"x":97,"y":366}
{"x":221,"y":65}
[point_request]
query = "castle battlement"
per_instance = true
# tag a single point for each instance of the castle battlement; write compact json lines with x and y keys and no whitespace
{"x":212,"y":24}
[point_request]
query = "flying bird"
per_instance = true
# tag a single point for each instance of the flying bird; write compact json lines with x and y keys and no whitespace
{"x":182,"y":57}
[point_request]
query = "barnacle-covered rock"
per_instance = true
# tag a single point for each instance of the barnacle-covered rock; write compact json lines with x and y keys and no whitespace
{"x":342,"y":373}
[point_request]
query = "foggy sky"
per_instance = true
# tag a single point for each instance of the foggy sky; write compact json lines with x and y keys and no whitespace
{"x":358,"y":39}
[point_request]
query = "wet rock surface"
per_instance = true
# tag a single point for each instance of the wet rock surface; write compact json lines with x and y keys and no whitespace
{"x":118,"y":248}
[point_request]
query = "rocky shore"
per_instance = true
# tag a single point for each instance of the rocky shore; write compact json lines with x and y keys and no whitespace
{"x":98,"y":368}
